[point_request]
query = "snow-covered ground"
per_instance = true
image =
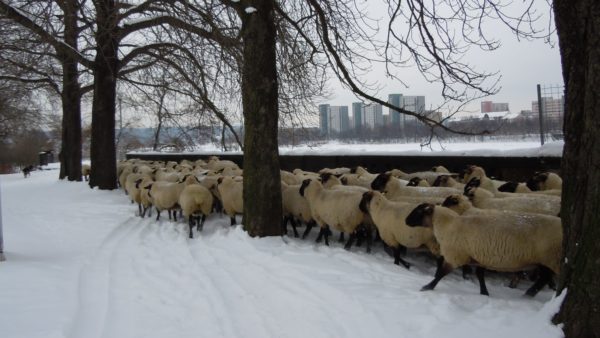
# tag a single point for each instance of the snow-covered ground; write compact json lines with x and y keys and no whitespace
{"x":81,"y":264}
{"x":490,"y":148}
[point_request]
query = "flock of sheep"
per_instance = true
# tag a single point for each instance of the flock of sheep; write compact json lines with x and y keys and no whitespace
{"x":469,"y":221}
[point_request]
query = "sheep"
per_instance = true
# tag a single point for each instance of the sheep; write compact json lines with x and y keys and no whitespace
{"x":540,"y":195}
{"x":215,"y":164}
{"x":165,"y":195}
{"x":397,"y":173}
{"x":429,"y":176}
{"x":132,"y":188}
{"x":395,"y":188}
{"x":357,"y":180}
{"x":335,"y":171}
{"x":503,"y":242}
{"x":27,"y":171}
{"x":289,"y":178}
{"x":417,"y":182}
{"x":330,"y":181}
{"x":145,"y":198}
{"x":447,"y":181}
{"x":337,"y":209}
{"x":440,"y":169}
{"x":487,"y":183}
{"x":231,"y":192}
{"x":86,"y":170}
{"x":229,"y":171}
{"x":362,"y":173}
{"x":295,"y":207}
{"x":123,"y":177}
{"x":165,"y":176}
{"x":514,"y":187}
{"x":481,"y":198}
{"x":195,"y":198}
{"x":388,"y":217}
{"x":541,"y":181}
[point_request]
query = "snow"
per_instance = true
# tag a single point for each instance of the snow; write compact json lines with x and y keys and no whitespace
{"x":250,"y":10}
{"x":81,"y":264}
{"x":511,"y":148}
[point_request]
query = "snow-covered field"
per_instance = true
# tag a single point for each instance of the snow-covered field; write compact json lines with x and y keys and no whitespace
{"x":81,"y":264}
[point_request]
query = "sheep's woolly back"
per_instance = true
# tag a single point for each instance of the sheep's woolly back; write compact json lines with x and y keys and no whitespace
{"x":294,"y":204}
{"x":165,"y":195}
{"x":289,"y":178}
{"x":396,"y":173}
{"x":552,"y":182}
{"x":541,"y":204}
{"x":362,"y":180}
{"x":389,"y":217}
{"x":440,"y":169}
{"x":195,"y":198}
{"x":396,"y":188}
{"x":231,"y":192}
{"x":336,"y":208}
{"x":499,"y":241}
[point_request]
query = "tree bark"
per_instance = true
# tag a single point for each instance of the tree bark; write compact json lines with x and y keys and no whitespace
{"x":103,"y":150}
{"x":262,"y":186}
{"x":71,"y":147}
{"x":578,"y":26}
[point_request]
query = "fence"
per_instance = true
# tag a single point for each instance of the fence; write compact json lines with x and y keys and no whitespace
{"x":551,"y":111}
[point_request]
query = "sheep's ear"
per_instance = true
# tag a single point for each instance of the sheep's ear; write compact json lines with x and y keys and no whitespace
{"x":470,"y":192}
{"x":438,"y":181}
{"x":305,"y":184}
{"x":219,"y":180}
{"x":353,"y":170}
{"x":364,"y":202}
{"x":148,"y":187}
{"x":508,"y":187}
{"x":434,"y":168}
{"x":344,"y":180}
{"x":418,"y":216}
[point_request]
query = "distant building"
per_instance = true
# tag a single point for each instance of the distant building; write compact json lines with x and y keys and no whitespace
{"x":395,"y":100}
{"x":357,"y":114}
{"x":373,"y":115}
{"x":339,"y":121}
{"x":493,"y":107}
{"x":551,"y":107}
{"x":324,"y":118}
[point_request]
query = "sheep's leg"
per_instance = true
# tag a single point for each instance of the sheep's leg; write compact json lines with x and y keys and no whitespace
{"x":341,"y":240}
{"x":443,"y":268}
{"x":140,"y":209}
{"x":169,"y":212}
{"x":369,"y":240}
{"x":543,"y":279}
{"x":191,"y":224}
{"x":284,"y":223}
{"x":233,"y":220}
{"x":293,"y":223}
{"x":351,"y":239}
{"x":398,"y":259}
{"x":327,"y":233}
{"x":157,"y":214}
{"x":480,"y":272}
{"x":320,"y":236}
{"x":174,"y":215}
{"x":466,"y":271}
{"x":201,"y":222}
{"x":309,"y":227}
{"x":377,"y":237}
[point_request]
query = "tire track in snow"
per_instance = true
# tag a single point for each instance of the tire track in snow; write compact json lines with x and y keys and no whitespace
{"x":94,"y":287}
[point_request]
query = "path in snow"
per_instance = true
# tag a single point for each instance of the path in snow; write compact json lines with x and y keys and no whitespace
{"x":118,"y":275}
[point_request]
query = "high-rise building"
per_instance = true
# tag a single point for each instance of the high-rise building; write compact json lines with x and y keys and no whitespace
{"x":493,"y":107}
{"x":373,"y":116}
{"x":415,"y":104}
{"x":339,"y":121}
{"x":324,"y":118}
{"x":552,"y":108}
{"x":357,"y":114}
{"x":395,"y":100}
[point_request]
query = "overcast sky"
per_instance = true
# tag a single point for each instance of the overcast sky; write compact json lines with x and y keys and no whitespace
{"x":522,"y":65}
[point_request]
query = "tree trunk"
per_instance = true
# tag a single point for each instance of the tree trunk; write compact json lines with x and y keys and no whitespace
{"x":103,"y":151}
{"x":262,"y":186}
{"x":578,"y":26}
{"x":70,"y":159}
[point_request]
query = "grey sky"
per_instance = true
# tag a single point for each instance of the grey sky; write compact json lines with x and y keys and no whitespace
{"x":522,"y":65}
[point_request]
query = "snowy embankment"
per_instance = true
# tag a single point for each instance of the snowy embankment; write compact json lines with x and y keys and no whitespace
{"x":490,"y":148}
{"x":80,"y":264}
